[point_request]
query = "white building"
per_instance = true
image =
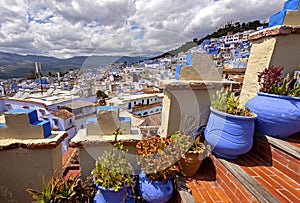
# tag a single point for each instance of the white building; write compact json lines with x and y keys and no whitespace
{"x":82,"y":110}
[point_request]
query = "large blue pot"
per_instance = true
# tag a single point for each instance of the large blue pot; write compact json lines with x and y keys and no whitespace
{"x":229,"y":135}
{"x":156,"y":191}
{"x":108,"y":195}
{"x":277,"y":115}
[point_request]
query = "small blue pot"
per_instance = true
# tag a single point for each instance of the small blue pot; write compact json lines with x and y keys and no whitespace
{"x":277,"y":115}
{"x":229,"y":135}
{"x":108,"y":195}
{"x":156,"y":191}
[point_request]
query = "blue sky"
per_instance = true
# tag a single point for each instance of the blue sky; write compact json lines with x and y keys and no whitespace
{"x":117,"y":27}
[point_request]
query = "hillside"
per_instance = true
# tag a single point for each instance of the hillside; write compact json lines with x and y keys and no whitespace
{"x":219,"y":33}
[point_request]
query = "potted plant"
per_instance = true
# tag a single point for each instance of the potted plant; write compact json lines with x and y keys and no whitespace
{"x":277,"y":104}
{"x":113,"y":176}
{"x":154,"y":182}
{"x":192,"y":152}
{"x":71,"y":189}
{"x":229,"y":129}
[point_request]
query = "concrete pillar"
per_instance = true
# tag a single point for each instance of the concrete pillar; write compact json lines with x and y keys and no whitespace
{"x":24,"y":163}
{"x":29,"y":152}
{"x":278,"y":46}
{"x":187,"y":103}
{"x":92,"y":147}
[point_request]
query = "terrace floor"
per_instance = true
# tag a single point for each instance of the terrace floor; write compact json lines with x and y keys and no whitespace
{"x":276,"y":182}
{"x":70,"y":162}
{"x":204,"y":186}
{"x":210,"y":184}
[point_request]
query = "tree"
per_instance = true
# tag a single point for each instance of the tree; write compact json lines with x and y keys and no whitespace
{"x":31,"y":75}
{"x":101,"y":94}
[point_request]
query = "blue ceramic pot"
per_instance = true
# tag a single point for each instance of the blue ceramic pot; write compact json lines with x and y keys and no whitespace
{"x":156,"y":191}
{"x":229,"y":135}
{"x":277,"y":115}
{"x":108,"y":195}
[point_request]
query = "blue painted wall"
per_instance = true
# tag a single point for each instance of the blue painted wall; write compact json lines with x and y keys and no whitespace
{"x":278,"y":18}
{"x":189,"y":59}
{"x":177,"y":73}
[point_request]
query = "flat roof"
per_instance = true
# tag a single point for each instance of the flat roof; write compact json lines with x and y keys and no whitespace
{"x":78,"y":104}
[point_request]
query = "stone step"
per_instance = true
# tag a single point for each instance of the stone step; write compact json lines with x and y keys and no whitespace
{"x":266,"y":182}
{"x":260,"y":193}
{"x":284,"y":155}
{"x":246,"y":179}
{"x":213,"y":183}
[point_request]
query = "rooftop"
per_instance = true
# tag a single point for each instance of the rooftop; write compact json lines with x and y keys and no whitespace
{"x":78,"y":104}
{"x":62,"y":113}
{"x":50,"y":142}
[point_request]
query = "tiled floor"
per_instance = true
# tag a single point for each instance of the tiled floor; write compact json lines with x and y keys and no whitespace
{"x":204,"y":186}
{"x":277,"y":183}
{"x":67,"y":156}
{"x":70,"y":169}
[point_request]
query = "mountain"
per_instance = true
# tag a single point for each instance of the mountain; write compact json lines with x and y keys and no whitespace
{"x":15,"y":65}
{"x":131,"y":60}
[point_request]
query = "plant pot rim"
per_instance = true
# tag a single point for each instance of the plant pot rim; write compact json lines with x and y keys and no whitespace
{"x":144,"y":175}
{"x":195,"y":152}
{"x":110,"y":189}
{"x":103,"y":188}
{"x":277,"y":96}
{"x":220,"y":113}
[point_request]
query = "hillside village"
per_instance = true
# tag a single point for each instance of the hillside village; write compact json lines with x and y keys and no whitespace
{"x":62,"y":119}
{"x":135,"y":88}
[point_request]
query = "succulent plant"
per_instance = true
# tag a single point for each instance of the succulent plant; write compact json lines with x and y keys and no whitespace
{"x":270,"y":81}
{"x":269,"y":77}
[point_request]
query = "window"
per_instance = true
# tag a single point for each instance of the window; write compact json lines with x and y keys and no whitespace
{"x":9,"y":107}
{"x":55,"y":122}
{"x":42,"y":111}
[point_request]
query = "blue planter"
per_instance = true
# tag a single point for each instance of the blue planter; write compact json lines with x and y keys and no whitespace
{"x":277,"y":115}
{"x":156,"y":191}
{"x":108,"y":195}
{"x":229,"y":135}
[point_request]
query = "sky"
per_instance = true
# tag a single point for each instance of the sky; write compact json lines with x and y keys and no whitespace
{"x":67,"y":28}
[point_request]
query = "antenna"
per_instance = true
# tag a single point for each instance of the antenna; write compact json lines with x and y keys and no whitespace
{"x":38,"y":69}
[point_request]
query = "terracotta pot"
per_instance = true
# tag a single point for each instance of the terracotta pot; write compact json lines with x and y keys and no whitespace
{"x":190,"y":164}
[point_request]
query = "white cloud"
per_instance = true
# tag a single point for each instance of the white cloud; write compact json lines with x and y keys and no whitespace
{"x":119,"y":27}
